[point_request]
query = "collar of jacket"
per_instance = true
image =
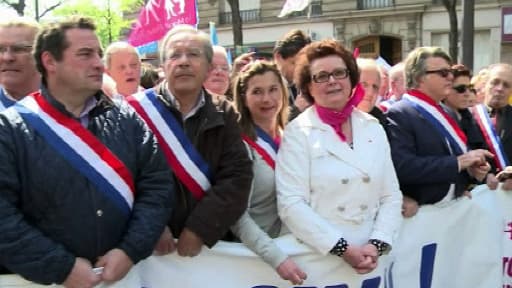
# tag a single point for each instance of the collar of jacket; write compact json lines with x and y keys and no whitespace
{"x":104,"y":102}
{"x":310,"y":119}
{"x":212,"y":110}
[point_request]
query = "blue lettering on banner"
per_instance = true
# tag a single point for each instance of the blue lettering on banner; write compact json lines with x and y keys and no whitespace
{"x":428,"y":257}
{"x":368,"y":283}
{"x":388,"y":276}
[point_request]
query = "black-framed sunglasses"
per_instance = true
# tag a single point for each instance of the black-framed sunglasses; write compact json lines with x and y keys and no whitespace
{"x":441,"y":72}
{"x":338,"y":74}
{"x":462,"y":88}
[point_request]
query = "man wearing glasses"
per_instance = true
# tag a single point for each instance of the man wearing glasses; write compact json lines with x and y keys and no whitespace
{"x":202,"y":141}
{"x":429,"y":150}
{"x":18,"y":73}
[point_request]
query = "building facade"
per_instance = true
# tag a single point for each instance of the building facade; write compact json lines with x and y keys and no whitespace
{"x":386,"y":28}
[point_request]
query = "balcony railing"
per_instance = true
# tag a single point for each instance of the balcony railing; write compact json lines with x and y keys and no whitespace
{"x":247,"y":16}
{"x":374,"y":4}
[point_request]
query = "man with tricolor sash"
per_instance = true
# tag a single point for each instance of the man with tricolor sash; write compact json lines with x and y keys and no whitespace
{"x":18,"y":73}
{"x":201,"y":139}
{"x":85,"y":191}
{"x":494,"y":118}
{"x":428,"y":148}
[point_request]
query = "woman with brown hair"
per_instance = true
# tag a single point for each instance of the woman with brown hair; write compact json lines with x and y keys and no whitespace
{"x":337,"y":189}
{"x":261,"y":99}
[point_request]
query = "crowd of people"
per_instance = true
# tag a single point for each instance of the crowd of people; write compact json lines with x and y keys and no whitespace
{"x":105,"y":160}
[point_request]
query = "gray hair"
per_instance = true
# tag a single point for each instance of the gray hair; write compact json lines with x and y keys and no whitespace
{"x":116,"y":47}
{"x":495,"y":66}
{"x":24,"y":22}
{"x":369,"y":65}
{"x":221,"y":50}
{"x":191,"y":30}
{"x":415,"y":63}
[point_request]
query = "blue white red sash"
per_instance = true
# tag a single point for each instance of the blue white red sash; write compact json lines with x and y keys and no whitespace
{"x":5,"y":102}
{"x":264,"y":145}
{"x":80,"y":148}
{"x":188,"y":165}
{"x":491,"y":137}
{"x":385,"y":105}
{"x":443,"y":123}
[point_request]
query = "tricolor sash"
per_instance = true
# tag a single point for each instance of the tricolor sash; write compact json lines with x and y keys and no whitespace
{"x":80,"y":148}
{"x":491,"y":137}
{"x":443,"y":123}
{"x":188,"y":165}
{"x":385,"y":105}
{"x":5,"y":102}
{"x":264,"y":145}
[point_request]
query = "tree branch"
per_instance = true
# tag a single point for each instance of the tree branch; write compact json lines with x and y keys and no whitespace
{"x":49,"y":9}
{"x":19,"y":6}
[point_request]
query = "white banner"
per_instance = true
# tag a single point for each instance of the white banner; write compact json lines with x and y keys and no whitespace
{"x":499,"y":204}
{"x":451,"y":245}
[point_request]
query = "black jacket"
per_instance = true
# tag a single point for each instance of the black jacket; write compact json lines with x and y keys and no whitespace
{"x":51,"y":213}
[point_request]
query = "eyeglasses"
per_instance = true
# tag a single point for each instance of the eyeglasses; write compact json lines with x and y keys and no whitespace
{"x":441,"y":72}
{"x":338,"y":74}
{"x":463,"y":88}
{"x":191,"y":54}
{"x":16,"y":49}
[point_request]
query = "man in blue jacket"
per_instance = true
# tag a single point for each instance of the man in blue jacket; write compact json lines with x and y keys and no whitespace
{"x":428,"y":148}
{"x":83,"y":184}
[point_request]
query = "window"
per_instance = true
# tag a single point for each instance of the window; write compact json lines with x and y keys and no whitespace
{"x":249,"y":11}
{"x":374,"y":4}
{"x":313,"y":9}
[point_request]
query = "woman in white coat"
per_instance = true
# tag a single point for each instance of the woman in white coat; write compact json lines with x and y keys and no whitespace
{"x":336,"y":185}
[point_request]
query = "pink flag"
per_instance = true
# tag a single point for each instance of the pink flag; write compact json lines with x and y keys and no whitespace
{"x":159,"y":16}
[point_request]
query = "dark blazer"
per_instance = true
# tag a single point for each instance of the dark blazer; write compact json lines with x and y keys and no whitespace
{"x":504,"y":130}
{"x":423,"y":162}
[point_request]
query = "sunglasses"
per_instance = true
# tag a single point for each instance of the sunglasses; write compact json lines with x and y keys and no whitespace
{"x":463,"y":88}
{"x":441,"y":72}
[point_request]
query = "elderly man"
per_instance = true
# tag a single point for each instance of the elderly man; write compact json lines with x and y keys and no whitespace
{"x":497,"y":124}
{"x":370,"y":79}
{"x":122,"y":64}
{"x":217,"y":81}
{"x":201,"y":138}
{"x":396,"y":86}
{"x":18,"y":73}
{"x":435,"y":166}
{"x":83,"y":183}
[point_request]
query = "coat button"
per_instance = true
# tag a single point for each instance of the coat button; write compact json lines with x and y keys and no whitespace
{"x":366,"y":179}
{"x":99,"y":213}
{"x":341,"y":208}
{"x":344,"y":181}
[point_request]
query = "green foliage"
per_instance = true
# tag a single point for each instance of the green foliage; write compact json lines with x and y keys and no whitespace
{"x":110,"y":23}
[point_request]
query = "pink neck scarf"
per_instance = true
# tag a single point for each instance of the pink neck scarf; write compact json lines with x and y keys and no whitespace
{"x":336,"y":119}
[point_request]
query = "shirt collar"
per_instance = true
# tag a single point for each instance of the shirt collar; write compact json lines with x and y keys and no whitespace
{"x":174,"y":102}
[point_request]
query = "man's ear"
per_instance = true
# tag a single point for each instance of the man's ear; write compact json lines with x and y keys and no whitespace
{"x":278,"y":57}
{"x":48,"y":61}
